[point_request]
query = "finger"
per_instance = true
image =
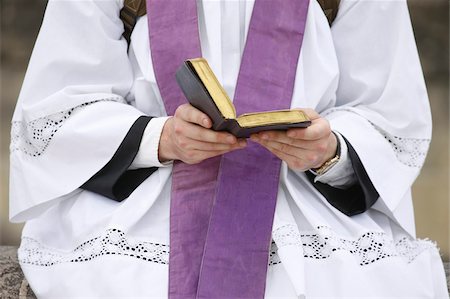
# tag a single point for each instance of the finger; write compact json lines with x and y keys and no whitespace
{"x":320,"y":128}
{"x":186,"y":143}
{"x":291,"y":161}
{"x":281,"y":137}
{"x":206,"y":135}
{"x":191,"y":114}
{"x":308,"y":156}
{"x":311,"y":113}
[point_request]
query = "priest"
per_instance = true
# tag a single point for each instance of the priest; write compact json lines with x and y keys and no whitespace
{"x":127,"y":191}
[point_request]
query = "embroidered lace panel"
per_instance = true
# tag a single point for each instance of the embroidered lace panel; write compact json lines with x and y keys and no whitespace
{"x":114,"y":242}
{"x":367,"y":249}
{"x":409,"y":151}
{"x":32,"y":138}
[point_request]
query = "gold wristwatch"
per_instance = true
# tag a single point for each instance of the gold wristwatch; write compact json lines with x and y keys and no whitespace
{"x":331,"y":162}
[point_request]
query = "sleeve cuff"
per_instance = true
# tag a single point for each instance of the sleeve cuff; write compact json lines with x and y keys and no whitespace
{"x":115,"y":180}
{"x":357,"y":198}
{"x":147,"y":155}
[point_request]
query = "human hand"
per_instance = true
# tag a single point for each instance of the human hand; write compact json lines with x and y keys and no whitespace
{"x":187,"y":136}
{"x":302,"y":148}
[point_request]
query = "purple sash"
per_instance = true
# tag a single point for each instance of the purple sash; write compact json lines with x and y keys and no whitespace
{"x":222,"y":209}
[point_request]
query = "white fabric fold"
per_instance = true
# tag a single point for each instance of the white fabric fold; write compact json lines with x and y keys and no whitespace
{"x":64,"y":165}
{"x":71,"y":115}
{"x":382,"y":104}
{"x":290,"y":247}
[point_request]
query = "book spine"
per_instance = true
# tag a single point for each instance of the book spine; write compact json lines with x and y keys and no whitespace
{"x":198,"y":96}
{"x":234,"y":128}
{"x":221,"y":124}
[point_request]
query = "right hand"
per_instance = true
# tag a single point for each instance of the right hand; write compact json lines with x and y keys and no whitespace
{"x":187,"y":136}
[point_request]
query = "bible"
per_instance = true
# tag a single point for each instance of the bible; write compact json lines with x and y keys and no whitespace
{"x":204,"y":92}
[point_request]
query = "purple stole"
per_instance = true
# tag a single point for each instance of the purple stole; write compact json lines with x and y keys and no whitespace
{"x":222,"y":209}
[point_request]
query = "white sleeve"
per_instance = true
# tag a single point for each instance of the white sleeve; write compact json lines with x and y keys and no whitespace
{"x":147,"y":155}
{"x":71,"y":114}
{"x":382,"y":107}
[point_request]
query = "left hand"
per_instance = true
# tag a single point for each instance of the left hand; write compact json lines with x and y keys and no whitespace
{"x":302,"y":148}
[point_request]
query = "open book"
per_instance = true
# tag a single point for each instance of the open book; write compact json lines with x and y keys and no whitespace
{"x":203,"y":91}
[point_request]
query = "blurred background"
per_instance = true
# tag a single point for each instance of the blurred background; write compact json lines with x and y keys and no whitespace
{"x":20,"y":22}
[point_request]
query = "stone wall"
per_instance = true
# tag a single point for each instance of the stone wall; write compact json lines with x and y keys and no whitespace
{"x":12,"y":282}
{"x":14,"y":285}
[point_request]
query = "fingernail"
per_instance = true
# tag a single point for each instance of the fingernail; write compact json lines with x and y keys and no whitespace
{"x":230,"y":139}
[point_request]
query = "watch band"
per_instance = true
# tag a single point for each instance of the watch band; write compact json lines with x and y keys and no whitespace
{"x":331,"y":162}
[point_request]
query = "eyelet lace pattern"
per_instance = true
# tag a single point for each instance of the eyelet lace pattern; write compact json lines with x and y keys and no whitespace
{"x":114,"y":242}
{"x":32,"y":138}
{"x":367,"y":249}
{"x":274,"y":259}
{"x":409,"y":151}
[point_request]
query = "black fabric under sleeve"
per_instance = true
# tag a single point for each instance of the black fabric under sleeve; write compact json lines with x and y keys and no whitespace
{"x":115,"y":180}
{"x":354,"y":200}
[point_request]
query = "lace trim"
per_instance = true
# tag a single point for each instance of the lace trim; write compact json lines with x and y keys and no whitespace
{"x":274,"y":259}
{"x":114,"y":242}
{"x":409,"y":151}
{"x":367,"y":249}
{"x":32,"y":138}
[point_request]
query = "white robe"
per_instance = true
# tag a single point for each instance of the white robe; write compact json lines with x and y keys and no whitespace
{"x":82,"y":93}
